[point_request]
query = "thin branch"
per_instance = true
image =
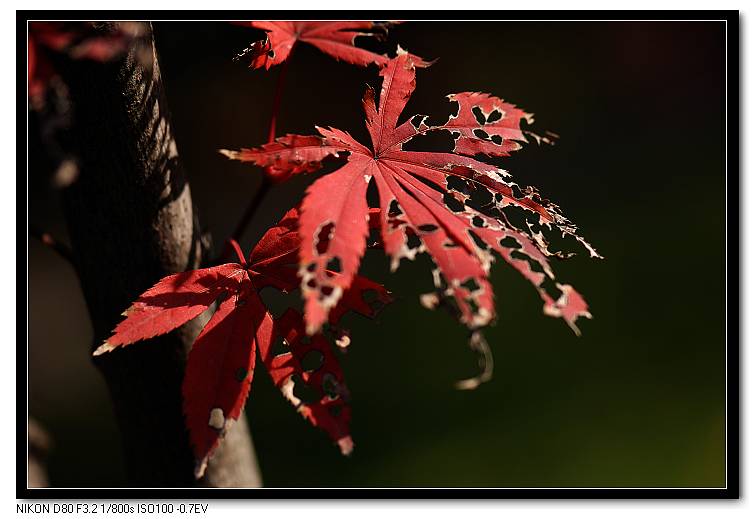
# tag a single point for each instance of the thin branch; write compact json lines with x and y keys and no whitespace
{"x":247,"y":217}
{"x":264,"y":188}
{"x":251,"y":209}
{"x":279,"y":85}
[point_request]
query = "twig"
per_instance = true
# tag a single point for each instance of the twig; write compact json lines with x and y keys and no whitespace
{"x":251,"y":209}
{"x":254,"y":204}
{"x":279,"y":84}
{"x":264,"y":188}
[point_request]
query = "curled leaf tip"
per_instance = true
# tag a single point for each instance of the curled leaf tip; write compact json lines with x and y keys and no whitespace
{"x":233,"y":155}
{"x":200,"y":467}
{"x":346,"y":444}
{"x":105,"y":348}
{"x":479,"y":345}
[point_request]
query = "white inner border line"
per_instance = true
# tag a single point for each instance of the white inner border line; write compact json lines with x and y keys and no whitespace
{"x":726,"y":274}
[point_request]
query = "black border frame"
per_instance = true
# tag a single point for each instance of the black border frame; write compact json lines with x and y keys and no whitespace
{"x":733,"y":266}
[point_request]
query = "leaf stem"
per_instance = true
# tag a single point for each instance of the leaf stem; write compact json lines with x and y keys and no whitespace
{"x":247,"y":217}
{"x":264,"y":188}
{"x":266,"y":184}
{"x":251,"y":209}
{"x":278,"y":96}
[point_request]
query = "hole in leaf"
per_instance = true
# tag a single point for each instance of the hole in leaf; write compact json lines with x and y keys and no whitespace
{"x":373,"y":196}
{"x":322,"y":240}
{"x":494,"y":116}
{"x":478,"y":114}
{"x":312,"y":360}
{"x":452,"y":203}
{"x":330,"y":385}
{"x":240,"y":374}
{"x":302,"y":391}
{"x":477,"y":221}
{"x":480,"y":197}
{"x":481,"y":134}
{"x":478,"y":241}
{"x":497,"y":139}
{"x":394,"y":209}
{"x":474,"y":307}
{"x":510,"y":243}
{"x":428,"y":228}
{"x":471,"y":285}
{"x":457,"y":184}
{"x":334,"y":264}
{"x":412,"y":240}
{"x":515,"y":216}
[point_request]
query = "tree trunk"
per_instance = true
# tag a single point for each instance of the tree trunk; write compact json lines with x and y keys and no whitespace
{"x":36,"y":455}
{"x":131,"y":222}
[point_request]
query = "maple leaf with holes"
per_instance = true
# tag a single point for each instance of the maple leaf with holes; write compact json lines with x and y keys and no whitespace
{"x":336,"y":39}
{"x":451,"y":205}
{"x":221,"y":362}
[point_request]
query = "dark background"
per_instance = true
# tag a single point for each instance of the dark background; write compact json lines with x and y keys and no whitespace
{"x":638,"y":400}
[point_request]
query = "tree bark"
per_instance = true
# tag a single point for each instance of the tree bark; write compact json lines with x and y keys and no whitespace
{"x":131,"y":222}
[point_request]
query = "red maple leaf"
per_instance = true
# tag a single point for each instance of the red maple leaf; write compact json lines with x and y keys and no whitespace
{"x":451,"y":205}
{"x":221,"y":362}
{"x":333,"y":38}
